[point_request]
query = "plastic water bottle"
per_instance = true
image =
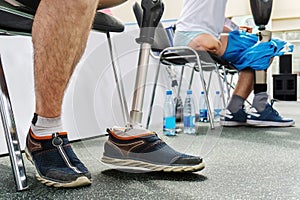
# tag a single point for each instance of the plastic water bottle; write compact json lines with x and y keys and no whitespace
{"x":202,"y":108}
{"x":189,"y":114}
{"x":169,"y":115}
{"x":217,"y":106}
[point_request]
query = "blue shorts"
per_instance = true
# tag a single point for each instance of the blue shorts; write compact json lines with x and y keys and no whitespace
{"x":243,"y":49}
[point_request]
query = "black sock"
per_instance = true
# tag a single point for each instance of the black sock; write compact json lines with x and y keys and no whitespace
{"x":258,"y":88}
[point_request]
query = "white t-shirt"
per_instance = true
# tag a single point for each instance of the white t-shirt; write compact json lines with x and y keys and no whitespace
{"x":205,"y":16}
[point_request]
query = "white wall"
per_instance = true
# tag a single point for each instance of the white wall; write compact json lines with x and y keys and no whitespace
{"x":125,"y":13}
{"x":285,"y":14}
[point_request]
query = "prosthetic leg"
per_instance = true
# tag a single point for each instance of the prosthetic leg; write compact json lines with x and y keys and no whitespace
{"x":261,"y":11}
{"x":152,"y":12}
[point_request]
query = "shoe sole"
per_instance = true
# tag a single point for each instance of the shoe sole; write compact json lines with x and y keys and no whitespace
{"x":269,"y":123}
{"x":150,"y":166}
{"x":232,"y":123}
{"x":80,"y":181}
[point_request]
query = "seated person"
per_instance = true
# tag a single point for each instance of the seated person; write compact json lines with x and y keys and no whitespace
{"x":200,"y":26}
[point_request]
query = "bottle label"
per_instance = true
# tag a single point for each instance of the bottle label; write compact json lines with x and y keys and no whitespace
{"x":170,"y":122}
{"x":203,"y":113}
{"x":217,"y":112}
{"x":189,"y":121}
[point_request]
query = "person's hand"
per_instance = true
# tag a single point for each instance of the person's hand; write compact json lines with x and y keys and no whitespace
{"x":246,"y":28}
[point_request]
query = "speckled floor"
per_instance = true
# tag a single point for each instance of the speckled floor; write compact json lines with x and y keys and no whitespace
{"x":241,"y":163}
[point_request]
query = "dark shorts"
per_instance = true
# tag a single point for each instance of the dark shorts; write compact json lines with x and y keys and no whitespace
{"x":32,"y":4}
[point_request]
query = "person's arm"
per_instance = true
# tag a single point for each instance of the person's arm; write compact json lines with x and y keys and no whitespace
{"x":229,"y":26}
{"x":246,"y":28}
{"x":226,"y":29}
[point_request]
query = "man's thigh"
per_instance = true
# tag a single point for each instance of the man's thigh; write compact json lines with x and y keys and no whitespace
{"x":33,"y":4}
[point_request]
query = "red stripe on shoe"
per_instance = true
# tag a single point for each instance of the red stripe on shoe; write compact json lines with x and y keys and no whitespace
{"x":46,"y":137}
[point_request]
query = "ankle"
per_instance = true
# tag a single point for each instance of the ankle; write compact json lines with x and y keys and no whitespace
{"x":42,"y":126}
{"x":235,"y":104}
{"x":260,"y":101}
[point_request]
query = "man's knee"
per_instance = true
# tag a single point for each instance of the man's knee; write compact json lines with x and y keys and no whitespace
{"x":205,"y":42}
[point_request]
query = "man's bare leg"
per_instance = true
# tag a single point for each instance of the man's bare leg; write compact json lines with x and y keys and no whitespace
{"x":234,"y":114}
{"x":245,"y":83}
{"x":59,"y":35}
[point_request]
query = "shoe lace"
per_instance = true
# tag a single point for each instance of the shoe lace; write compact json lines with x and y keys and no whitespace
{"x":273,"y":110}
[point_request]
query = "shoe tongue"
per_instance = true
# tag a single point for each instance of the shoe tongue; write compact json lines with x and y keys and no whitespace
{"x":138,"y":131}
{"x":132,"y":132}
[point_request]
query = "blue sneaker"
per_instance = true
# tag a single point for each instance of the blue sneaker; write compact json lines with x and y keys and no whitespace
{"x":147,"y":151}
{"x":268,"y":117}
{"x":55,"y":162}
{"x":238,"y":118}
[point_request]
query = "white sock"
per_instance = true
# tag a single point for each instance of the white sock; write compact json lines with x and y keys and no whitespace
{"x":42,"y":126}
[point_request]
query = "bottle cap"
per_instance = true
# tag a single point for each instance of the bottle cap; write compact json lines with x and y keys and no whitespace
{"x":168,"y":92}
{"x":189,"y":92}
{"x":217,"y":92}
{"x":202,"y":92}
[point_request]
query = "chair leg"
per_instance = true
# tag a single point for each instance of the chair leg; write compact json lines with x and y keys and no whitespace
{"x":221,"y":86}
{"x":119,"y":82}
{"x":191,"y":79}
{"x":11,"y":135}
{"x":153,"y":94}
{"x":180,"y":82}
{"x":205,"y":89}
{"x":225,"y":84}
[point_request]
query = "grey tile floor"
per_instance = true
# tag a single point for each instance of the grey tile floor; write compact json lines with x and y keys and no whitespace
{"x":241,"y":163}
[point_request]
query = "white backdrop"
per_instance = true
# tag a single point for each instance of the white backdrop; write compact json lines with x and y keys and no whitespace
{"x":91,"y":102}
